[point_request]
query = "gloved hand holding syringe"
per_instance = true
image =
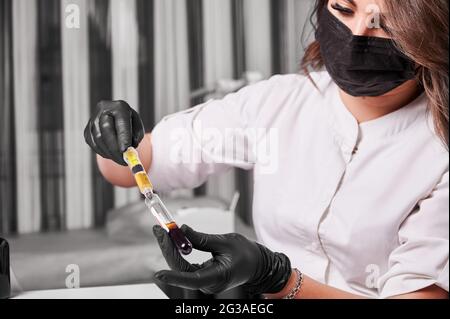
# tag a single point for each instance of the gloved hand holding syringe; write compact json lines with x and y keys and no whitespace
{"x":154,"y":203}
{"x":110,"y":132}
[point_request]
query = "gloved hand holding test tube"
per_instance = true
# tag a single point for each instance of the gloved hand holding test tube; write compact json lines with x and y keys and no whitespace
{"x":154,"y":203}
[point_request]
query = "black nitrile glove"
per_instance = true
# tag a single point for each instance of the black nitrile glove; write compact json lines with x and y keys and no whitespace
{"x":113,"y":128}
{"x":236,"y":261}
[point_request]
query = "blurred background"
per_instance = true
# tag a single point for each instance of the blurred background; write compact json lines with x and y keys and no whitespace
{"x":58,"y":58}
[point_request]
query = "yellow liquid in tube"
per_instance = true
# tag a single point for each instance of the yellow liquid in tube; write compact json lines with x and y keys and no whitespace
{"x":131,"y":157}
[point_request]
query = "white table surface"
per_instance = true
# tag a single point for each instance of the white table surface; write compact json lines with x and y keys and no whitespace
{"x":143,"y":291}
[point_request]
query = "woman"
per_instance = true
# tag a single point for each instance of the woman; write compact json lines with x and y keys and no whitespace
{"x":356,"y":200}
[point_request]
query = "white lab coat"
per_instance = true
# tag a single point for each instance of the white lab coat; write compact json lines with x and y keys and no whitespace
{"x":364,"y":208}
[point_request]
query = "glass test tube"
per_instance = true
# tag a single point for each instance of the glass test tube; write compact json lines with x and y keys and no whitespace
{"x":154,"y":202}
{"x":165,"y":219}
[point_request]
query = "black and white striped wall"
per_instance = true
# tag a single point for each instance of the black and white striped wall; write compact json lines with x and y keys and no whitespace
{"x":156,"y":54}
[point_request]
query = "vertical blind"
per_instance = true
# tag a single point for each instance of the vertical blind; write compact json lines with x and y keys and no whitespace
{"x":159,"y":55}
{"x":50,"y":119}
{"x":8,"y":218}
{"x":25,"y":69}
{"x":76,"y":101}
{"x":100,"y":83}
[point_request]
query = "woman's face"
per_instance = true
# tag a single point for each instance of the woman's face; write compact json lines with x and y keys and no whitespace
{"x":367,"y":18}
{"x":363,"y":17}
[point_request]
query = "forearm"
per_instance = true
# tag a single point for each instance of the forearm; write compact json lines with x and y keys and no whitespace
{"x":312,"y":289}
{"x":120,"y":175}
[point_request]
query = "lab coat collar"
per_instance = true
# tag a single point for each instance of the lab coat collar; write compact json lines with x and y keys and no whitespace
{"x":395,"y":122}
{"x":381,"y":128}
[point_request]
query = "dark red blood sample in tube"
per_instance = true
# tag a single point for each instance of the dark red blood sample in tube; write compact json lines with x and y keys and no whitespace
{"x":179,"y":239}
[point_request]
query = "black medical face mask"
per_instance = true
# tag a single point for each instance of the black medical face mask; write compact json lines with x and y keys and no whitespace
{"x":361,"y":65}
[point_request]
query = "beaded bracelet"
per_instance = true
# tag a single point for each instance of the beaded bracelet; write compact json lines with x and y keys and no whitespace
{"x":298,"y":285}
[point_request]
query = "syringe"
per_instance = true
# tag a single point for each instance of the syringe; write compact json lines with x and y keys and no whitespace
{"x":154,"y":202}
